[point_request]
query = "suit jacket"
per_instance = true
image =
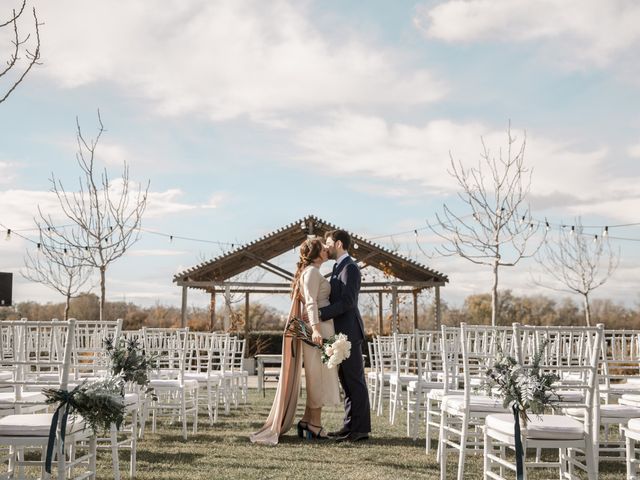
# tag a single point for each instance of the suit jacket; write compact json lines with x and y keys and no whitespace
{"x":345,"y":287}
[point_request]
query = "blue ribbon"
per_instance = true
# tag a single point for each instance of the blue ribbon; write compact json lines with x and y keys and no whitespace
{"x":66,"y":404}
{"x":518,"y":444}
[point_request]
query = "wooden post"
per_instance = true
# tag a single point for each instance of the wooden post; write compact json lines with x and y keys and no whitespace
{"x":183,"y":314}
{"x":394,"y":309}
{"x":212,"y":310}
{"x":438,"y":313}
{"x":227,"y":310}
{"x":247,"y":325}
{"x":415,"y":309}
{"x":380,"y":313}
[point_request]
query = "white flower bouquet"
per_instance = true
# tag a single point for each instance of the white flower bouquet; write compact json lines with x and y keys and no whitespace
{"x":334,"y":350}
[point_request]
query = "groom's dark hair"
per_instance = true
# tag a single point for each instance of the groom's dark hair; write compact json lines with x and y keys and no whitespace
{"x":341,"y":235}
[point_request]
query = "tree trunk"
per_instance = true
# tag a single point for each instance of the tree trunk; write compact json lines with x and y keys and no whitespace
{"x":587,"y":310}
{"x":66,"y":307}
{"x":494,"y":295}
{"x":102,"y":291}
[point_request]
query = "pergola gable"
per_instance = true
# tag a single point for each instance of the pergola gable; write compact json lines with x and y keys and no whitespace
{"x":259,"y":253}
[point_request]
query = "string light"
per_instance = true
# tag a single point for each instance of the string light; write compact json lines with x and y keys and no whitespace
{"x":547,"y":226}
{"x":606,"y":231}
{"x":8,"y":237}
{"x":573,"y":229}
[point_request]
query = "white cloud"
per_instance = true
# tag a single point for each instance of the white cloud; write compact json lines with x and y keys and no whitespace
{"x":20,"y":207}
{"x":412,"y":155}
{"x":634,"y":150}
{"x":592,"y":32}
{"x":7,"y":174}
{"x":224,"y":59}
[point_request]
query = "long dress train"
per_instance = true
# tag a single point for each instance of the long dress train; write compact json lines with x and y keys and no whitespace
{"x":285,"y":402}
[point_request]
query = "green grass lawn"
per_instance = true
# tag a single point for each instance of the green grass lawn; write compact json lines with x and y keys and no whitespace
{"x":223,"y":451}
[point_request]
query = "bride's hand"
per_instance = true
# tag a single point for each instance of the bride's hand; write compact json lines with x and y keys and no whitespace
{"x":316,"y":337}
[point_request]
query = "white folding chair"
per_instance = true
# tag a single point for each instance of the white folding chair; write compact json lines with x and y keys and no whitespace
{"x":41,"y":358}
{"x":428,"y":360}
{"x":568,"y":435}
{"x":462,"y":416}
{"x":403,"y":371}
{"x":175,"y":396}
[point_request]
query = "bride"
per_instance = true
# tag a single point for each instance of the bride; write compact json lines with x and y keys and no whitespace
{"x":310,"y":291}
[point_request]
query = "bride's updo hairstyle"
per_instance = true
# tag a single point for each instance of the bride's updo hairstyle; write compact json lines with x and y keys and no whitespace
{"x":310,"y":251}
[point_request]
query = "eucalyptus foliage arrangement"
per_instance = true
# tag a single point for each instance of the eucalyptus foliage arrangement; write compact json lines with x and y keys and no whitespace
{"x":129,"y":361}
{"x":100,"y":403}
{"x":525,"y":388}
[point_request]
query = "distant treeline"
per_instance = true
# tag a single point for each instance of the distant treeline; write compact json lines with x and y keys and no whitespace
{"x":476,"y":309}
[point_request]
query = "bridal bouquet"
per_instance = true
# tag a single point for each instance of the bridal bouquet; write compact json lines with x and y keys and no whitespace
{"x":334,"y":350}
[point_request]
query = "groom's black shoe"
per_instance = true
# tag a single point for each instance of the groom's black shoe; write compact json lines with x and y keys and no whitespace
{"x":353,"y":437}
{"x":339,"y":433}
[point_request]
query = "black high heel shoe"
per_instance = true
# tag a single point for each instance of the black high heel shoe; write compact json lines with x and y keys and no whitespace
{"x":302,"y":427}
{"x":311,"y":435}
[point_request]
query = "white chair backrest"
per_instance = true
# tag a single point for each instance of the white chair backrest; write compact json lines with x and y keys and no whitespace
{"x":583,"y":369}
{"x":169,"y":347}
{"x":620,"y":356}
{"x":90,"y":357}
{"x":42,"y":353}
{"x":428,"y":354}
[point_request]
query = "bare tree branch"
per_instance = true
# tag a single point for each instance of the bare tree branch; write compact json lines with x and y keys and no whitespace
{"x":577,"y":263}
{"x":108,"y":216}
{"x":497,"y":228}
{"x":54,"y":266}
{"x":19,"y":49}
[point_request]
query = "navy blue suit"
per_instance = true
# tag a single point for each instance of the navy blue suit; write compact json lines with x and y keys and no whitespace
{"x":345,"y":287}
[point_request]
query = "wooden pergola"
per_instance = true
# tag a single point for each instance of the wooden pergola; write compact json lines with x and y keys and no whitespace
{"x":401,"y":275}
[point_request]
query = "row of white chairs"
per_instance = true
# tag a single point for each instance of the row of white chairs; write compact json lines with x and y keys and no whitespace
{"x":194,"y":370}
{"x":434,"y":376}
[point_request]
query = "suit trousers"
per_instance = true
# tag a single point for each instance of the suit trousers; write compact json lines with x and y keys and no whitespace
{"x":357,"y":416}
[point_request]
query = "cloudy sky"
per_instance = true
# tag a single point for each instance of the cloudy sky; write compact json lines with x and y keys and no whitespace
{"x":247,"y":115}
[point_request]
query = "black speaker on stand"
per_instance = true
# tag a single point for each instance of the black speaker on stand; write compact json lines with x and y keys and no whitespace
{"x":6,"y":285}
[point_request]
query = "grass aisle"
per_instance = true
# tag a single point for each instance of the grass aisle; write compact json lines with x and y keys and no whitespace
{"x":223,"y":451}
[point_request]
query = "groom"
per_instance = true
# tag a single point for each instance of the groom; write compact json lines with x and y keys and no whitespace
{"x":345,"y":286}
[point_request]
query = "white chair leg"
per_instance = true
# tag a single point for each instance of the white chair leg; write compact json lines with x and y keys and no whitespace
{"x":114,"y":451}
{"x":134,"y":443}
{"x":93,"y":453}
{"x":464,"y":427}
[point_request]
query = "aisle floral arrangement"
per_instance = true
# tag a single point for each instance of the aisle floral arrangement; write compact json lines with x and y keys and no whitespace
{"x":127,"y":360}
{"x":524,"y":389}
{"x":335,"y":349}
{"x":100,"y":403}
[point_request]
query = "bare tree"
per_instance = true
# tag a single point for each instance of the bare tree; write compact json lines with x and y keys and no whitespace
{"x":497,"y":226}
{"x":579,"y":262}
{"x":54,"y":266}
{"x":108,"y":215}
{"x":21,"y":55}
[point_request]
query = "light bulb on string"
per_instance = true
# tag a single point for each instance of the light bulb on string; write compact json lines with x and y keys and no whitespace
{"x":39,"y":245}
{"x":546,"y":224}
{"x":573,"y":229}
{"x":595,"y":239}
{"x":606,"y":231}
{"x":171,"y":238}
{"x":8,"y":237}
